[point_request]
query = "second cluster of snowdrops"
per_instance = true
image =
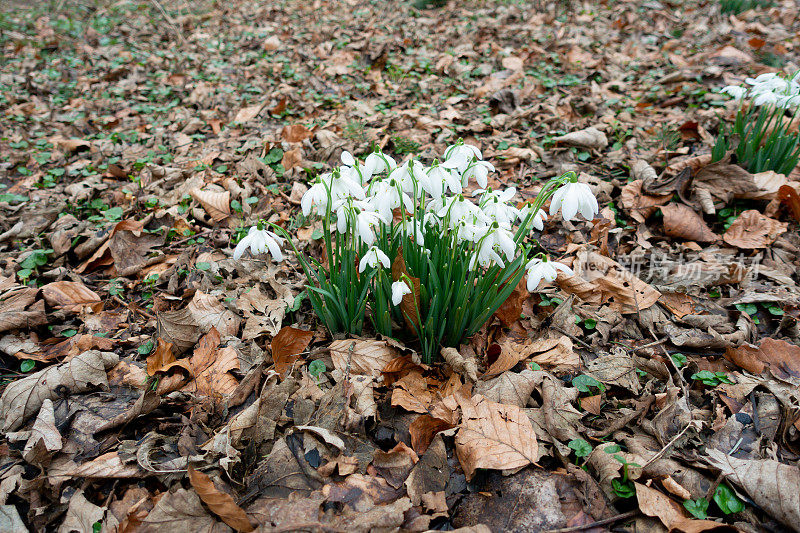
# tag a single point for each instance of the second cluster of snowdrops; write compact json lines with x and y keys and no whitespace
{"x":408,"y":247}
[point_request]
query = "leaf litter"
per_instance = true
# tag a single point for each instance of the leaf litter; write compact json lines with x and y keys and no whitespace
{"x":151,"y":383}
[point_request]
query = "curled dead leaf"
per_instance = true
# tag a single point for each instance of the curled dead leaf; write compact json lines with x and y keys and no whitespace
{"x":494,"y":436}
{"x":71,"y":296}
{"x":753,"y":230}
{"x":216,"y":203}
{"x":24,"y":397}
{"x":221,"y":503}
{"x":287,"y":346}
{"x":587,"y":138}
{"x":682,"y":222}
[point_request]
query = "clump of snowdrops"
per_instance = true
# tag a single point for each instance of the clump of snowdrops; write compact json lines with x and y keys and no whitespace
{"x":407,"y":246}
{"x":762,"y":129}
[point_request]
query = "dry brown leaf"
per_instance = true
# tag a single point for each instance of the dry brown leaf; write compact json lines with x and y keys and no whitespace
{"x":296,"y":133}
{"x":510,"y":311}
{"x":465,"y":366}
{"x":679,"y":303}
{"x":411,"y":393}
{"x":160,"y":357}
{"x":768,"y":184}
{"x":248,"y":113}
{"x":395,"y":465}
{"x":601,"y":280}
{"x":637,"y":203}
{"x":19,"y":308}
{"x":494,"y":436}
{"x":753,"y":230}
{"x":81,"y":514}
{"x":725,"y":180}
{"x":554,"y":353}
{"x":615,"y":368}
{"x":24,"y":397}
{"x":208,"y":312}
{"x":682,"y":222}
{"x":287,"y":346}
{"x":367,"y":357}
{"x":780,"y":357}
{"x":107,"y":466}
{"x":178,"y":328}
{"x":510,"y":388}
{"x":181,"y":510}
{"x":70,"y":295}
{"x":788,"y":195}
{"x":410,"y":304}
{"x":423,"y":430}
{"x":773,"y":486}
{"x":654,"y":503}
{"x":587,"y":138}
{"x":211,"y":367}
{"x":221,"y":503}
{"x":216,"y":203}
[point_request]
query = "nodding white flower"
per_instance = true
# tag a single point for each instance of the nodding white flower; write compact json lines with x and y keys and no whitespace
{"x":315,"y":198}
{"x":459,"y":156}
{"x":348,"y":159}
{"x":767,"y":98}
{"x":399,"y":289}
{"x":460,"y":210}
{"x":490,"y":238}
{"x":478,"y":170}
{"x":363,"y":219}
{"x":735,"y":91}
{"x":538,"y":220}
{"x":493,"y":203}
{"x":574,"y":198}
{"x":373,"y":258}
{"x":408,"y":176}
{"x":376,"y":163}
{"x":385,"y":196}
{"x":539,"y":270}
{"x":259,"y":241}
{"x":437,"y":178}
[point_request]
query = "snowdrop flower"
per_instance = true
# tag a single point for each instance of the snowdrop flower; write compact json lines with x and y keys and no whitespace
{"x":408,"y":175}
{"x":437,"y":178}
{"x":348,"y":159}
{"x":573,"y":198}
{"x":462,"y":210}
{"x":767,"y":98}
{"x":259,"y":241}
{"x":376,"y":163}
{"x":735,"y":91}
{"x":385,"y":196}
{"x":315,"y":198}
{"x":399,"y":289}
{"x":539,"y":270}
{"x":538,"y":218}
{"x":478,"y":170}
{"x":459,"y":156}
{"x":494,"y":205}
{"x":373,"y":258}
{"x":363,"y":217}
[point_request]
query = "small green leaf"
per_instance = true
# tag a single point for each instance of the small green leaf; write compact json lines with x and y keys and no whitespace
{"x":584,"y":382}
{"x":316,"y":368}
{"x":535,"y":366}
{"x":590,"y":323}
{"x":145,"y":348}
{"x":679,"y":359}
{"x":113,"y":213}
{"x":775,"y":310}
{"x":580,"y":447}
{"x":69,"y":332}
{"x":202,"y":265}
{"x":27,"y":365}
{"x":727,"y":500}
{"x":614,"y":448}
{"x":317,"y":234}
{"x":698,"y":508}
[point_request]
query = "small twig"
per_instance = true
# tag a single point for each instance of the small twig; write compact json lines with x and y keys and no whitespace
{"x":603,"y":522}
{"x":169,"y":20}
{"x":134,"y":308}
{"x":713,"y":488}
{"x":574,"y":338}
{"x":666,"y":447}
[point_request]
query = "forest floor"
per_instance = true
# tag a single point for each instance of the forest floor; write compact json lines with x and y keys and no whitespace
{"x":152,"y":383}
